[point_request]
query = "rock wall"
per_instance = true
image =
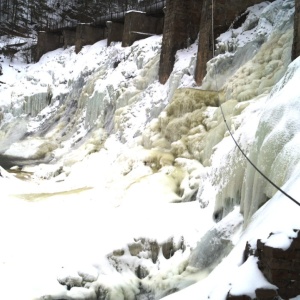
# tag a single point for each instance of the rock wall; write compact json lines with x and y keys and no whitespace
{"x":281,"y":267}
{"x":180,"y":30}
{"x":138,"y":26}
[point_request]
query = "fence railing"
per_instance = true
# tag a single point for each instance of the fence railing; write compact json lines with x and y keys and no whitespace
{"x":54,"y":25}
{"x":114,"y":17}
{"x":150,"y":7}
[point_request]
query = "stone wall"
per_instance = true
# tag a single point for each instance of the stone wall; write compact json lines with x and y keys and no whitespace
{"x":114,"y":32}
{"x":296,"y":43}
{"x":225,"y":13}
{"x":181,"y":29}
{"x":280,"y":267}
{"x":88,"y":35}
{"x":138,"y":25}
{"x":69,"y":37}
{"x":47,"y":41}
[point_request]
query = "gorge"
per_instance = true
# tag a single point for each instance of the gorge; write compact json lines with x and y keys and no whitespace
{"x":132,"y":188}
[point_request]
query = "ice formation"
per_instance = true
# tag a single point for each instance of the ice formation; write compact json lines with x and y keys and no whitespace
{"x":252,"y":82}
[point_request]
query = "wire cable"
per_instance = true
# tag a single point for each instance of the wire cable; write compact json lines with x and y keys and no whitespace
{"x":224,"y":119}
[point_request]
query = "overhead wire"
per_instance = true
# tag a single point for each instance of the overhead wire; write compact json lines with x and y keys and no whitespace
{"x":224,"y":119}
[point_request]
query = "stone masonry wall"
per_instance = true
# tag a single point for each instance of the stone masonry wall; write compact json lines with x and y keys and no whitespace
{"x":88,"y":35}
{"x":138,"y":25}
{"x":114,"y":32}
{"x":296,"y":42}
{"x":69,"y":37}
{"x":280,"y":267}
{"x":180,"y":30}
{"x":47,"y":41}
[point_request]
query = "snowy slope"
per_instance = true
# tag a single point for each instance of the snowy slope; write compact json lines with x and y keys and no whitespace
{"x":135,"y":189}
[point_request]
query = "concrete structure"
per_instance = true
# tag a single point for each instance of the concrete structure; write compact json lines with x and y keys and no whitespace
{"x":138,"y":25}
{"x":296,"y":43}
{"x":182,"y":19}
{"x":47,"y":41}
{"x":86,"y":34}
{"x":114,"y":32}
{"x":225,"y":13}
{"x":69,"y":36}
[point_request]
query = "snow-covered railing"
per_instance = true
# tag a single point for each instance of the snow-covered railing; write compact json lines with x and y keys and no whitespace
{"x":150,"y":7}
{"x":156,"y":7}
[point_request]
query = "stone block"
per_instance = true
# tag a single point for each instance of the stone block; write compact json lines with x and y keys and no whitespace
{"x":279,"y":264}
{"x":69,"y":37}
{"x":181,"y":27}
{"x":281,"y":268}
{"x":296,"y":41}
{"x":237,"y":297}
{"x":296,"y":264}
{"x":168,"y":248}
{"x":290,"y":291}
{"x":154,"y":248}
{"x":275,"y":276}
{"x":48,"y":41}
{"x":86,"y":34}
{"x":275,"y":253}
{"x":114,"y":32}
{"x":266,"y":294}
{"x":138,"y":25}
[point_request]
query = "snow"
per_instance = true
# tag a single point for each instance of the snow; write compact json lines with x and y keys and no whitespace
{"x":249,"y":276}
{"x":113,"y":213}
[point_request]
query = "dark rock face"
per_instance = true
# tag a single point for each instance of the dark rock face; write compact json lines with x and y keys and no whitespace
{"x":281,"y":267}
{"x":138,"y":26}
{"x":239,"y":297}
{"x":88,"y":35}
{"x":266,"y":294}
{"x":296,"y":43}
{"x":182,"y":19}
{"x":114,"y":32}
{"x":261,"y":294}
{"x":48,"y":41}
{"x":224,"y":14}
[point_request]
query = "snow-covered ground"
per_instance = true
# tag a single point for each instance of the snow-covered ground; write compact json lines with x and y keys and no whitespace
{"x":124,"y":179}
